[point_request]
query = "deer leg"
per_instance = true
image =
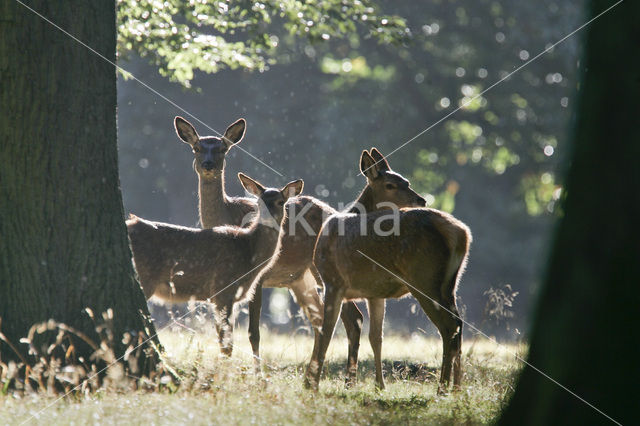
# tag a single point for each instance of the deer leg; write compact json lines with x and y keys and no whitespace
{"x":224,"y":328}
{"x":456,"y":348}
{"x":376,"y":315}
{"x":306,"y":295}
{"x":352,"y":320}
{"x":450,"y":328}
{"x":332,"y":307}
{"x":255,"y":307}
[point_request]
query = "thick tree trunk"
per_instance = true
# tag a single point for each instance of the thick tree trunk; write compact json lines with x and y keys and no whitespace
{"x":586,"y":329}
{"x":63,"y":241}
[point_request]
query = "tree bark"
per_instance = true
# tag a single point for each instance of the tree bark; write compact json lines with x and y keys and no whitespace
{"x":63,"y":241}
{"x":586,"y":327}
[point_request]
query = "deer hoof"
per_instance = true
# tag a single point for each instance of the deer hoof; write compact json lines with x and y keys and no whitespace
{"x":310,"y":383}
{"x":442,"y":390}
{"x":350,"y":381}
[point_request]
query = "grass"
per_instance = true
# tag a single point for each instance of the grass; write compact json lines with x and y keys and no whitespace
{"x":226,"y":391}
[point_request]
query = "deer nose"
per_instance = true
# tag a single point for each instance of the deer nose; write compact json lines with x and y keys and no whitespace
{"x":421,"y":202}
{"x":207,"y":165}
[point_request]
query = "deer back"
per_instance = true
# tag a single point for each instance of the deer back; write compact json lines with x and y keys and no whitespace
{"x":430,"y":246}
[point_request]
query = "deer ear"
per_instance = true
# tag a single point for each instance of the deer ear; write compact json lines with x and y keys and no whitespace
{"x":381,"y":163}
{"x":293,"y":188}
{"x":368,"y":165}
{"x":252,"y":186}
{"x":185,"y":131}
{"x":235,"y":133}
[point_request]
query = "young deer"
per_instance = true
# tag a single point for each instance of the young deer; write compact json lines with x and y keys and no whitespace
{"x":216,"y":207}
{"x":293,"y":257}
{"x":425,"y":258}
{"x":217,"y":265}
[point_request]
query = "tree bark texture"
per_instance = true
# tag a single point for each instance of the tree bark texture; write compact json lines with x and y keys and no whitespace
{"x":585,"y":333}
{"x":63,"y":241}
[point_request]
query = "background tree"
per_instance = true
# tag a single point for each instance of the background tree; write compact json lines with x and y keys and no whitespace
{"x":591,"y":287}
{"x":63,"y":245}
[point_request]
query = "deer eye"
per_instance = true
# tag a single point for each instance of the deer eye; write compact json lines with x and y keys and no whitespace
{"x":279,"y":203}
{"x":390,"y":186}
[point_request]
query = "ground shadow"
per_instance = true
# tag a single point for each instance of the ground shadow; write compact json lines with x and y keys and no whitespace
{"x":394,"y":371}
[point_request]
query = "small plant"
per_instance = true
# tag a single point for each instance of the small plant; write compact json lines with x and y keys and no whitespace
{"x":54,"y":368}
{"x":498,"y":309}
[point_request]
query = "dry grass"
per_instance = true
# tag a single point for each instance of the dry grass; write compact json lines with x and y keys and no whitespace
{"x":226,"y":391}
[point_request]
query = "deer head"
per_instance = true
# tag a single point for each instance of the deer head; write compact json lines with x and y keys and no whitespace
{"x":384,"y":184}
{"x":271,"y":200}
{"x":209,"y":151}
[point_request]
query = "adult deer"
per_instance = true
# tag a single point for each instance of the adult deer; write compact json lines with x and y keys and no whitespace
{"x":217,"y":265}
{"x":293,"y":257}
{"x":215,"y":207}
{"x":422,"y":253}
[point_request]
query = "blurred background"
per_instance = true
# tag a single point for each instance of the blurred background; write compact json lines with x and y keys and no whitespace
{"x":496,"y":164}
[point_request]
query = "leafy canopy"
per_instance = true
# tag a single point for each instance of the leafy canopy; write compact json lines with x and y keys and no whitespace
{"x":184,"y":36}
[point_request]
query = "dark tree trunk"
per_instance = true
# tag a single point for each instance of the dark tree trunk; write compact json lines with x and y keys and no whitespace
{"x":585,"y":334}
{"x":63,"y":241}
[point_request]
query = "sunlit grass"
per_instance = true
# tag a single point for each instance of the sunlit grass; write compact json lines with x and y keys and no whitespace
{"x":226,"y":391}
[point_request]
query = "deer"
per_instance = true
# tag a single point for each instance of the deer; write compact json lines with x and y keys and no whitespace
{"x":293,"y":256}
{"x":424,"y":257}
{"x":216,"y":265}
{"x":215,"y":206}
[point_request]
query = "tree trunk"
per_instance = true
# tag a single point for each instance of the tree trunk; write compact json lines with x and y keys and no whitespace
{"x":63,"y":241}
{"x":586,"y":328}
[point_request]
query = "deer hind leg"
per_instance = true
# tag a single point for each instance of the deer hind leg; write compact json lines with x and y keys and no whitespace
{"x":444,"y":315}
{"x":305,"y":291}
{"x":452,"y":362}
{"x":456,"y":349}
{"x":332,"y":308}
{"x":376,"y":315}
{"x":450,"y":327}
{"x":352,"y":319}
{"x":224,"y":327}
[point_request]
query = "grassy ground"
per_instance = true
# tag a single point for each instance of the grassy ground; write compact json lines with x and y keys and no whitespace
{"x":226,"y":391}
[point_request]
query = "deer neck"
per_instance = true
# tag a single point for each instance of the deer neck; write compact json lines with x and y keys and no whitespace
{"x":264,"y":238}
{"x":212,"y":200}
{"x":364,"y":202}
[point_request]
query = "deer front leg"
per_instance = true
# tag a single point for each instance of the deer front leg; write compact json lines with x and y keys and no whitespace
{"x":224,"y":327}
{"x":255,"y":308}
{"x":332,"y":305}
{"x":352,"y":320}
{"x":376,"y":315}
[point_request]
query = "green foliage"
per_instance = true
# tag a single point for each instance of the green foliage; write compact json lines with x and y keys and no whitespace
{"x":182,"y":37}
{"x":457,"y":50}
{"x":541,"y":193}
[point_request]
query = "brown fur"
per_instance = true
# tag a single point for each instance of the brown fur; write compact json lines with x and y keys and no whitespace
{"x":292,"y":263}
{"x":217,"y":265}
{"x":429,"y":254}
